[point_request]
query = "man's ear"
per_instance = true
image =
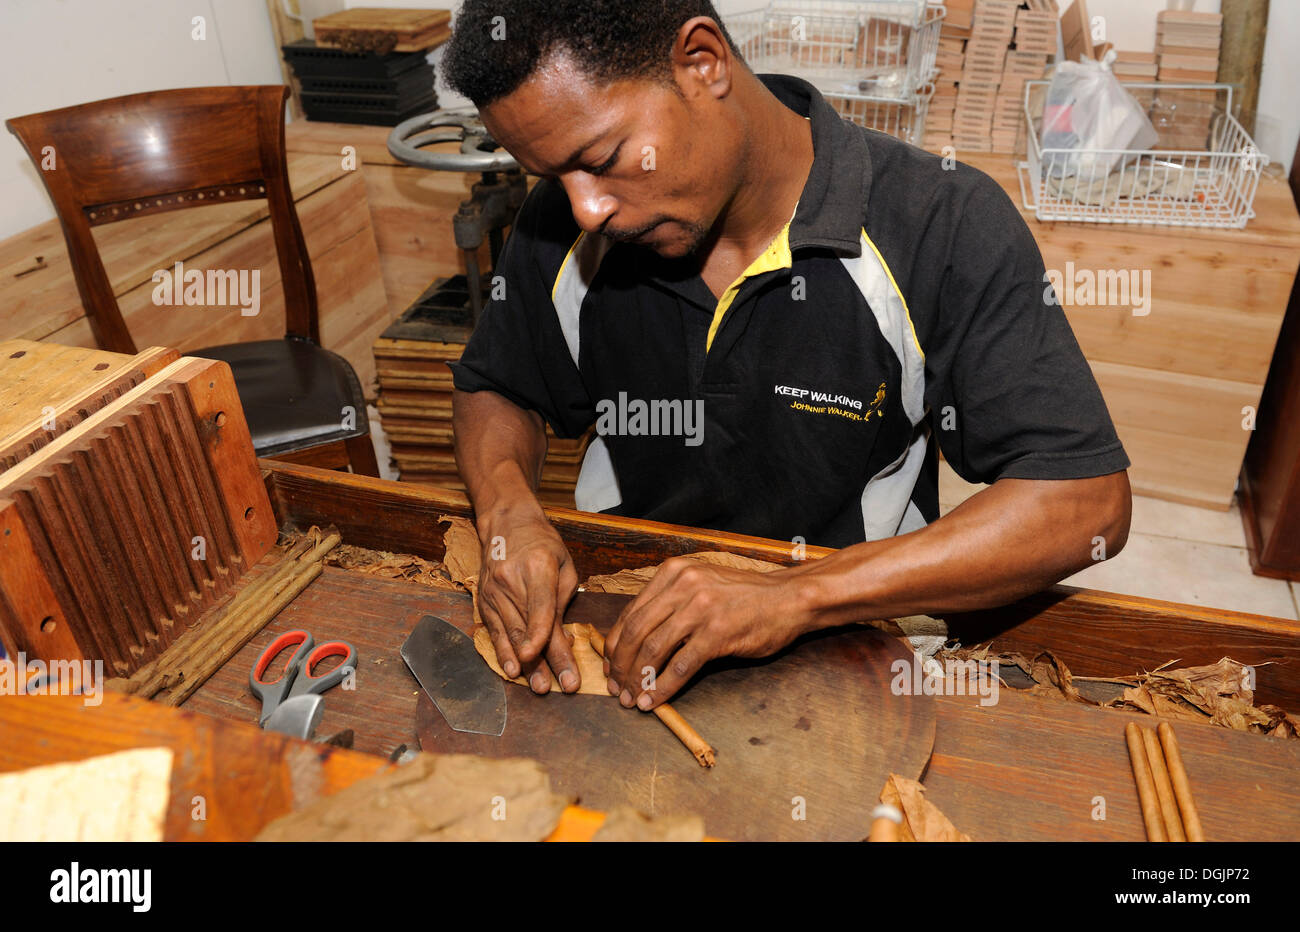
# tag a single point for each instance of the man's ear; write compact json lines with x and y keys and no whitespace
{"x":702,"y":59}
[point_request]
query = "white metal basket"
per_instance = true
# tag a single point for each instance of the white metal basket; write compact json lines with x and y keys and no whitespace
{"x":1206,"y":175}
{"x":873,"y":60}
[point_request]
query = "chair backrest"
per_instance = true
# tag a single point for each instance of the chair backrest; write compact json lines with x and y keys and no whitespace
{"x":166,"y":150}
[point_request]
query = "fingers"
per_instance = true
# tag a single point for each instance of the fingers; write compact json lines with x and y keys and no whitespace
{"x":656,"y":649}
{"x":560,"y":657}
{"x":636,"y":624}
{"x":539,"y":596}
{"x":497,"y":630}
{"x":687,"y":662}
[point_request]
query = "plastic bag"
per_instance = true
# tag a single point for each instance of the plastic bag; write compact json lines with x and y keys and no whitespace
{"x":1089,"y":113}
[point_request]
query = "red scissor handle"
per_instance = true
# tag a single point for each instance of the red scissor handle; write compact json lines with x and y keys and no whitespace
{"x":288,"y":639}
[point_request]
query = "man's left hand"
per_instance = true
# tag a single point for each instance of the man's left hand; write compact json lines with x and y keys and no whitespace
{"x":691,"y":613}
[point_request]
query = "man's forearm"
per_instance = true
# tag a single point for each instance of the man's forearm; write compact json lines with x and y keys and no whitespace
{"x":1009,"y":540}
{"x":500,"y":448}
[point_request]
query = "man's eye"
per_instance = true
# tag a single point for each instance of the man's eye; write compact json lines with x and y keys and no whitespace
{"x":601,"y":169}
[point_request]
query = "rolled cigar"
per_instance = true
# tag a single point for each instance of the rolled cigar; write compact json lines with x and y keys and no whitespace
{"x":1164,"y":789}
{"x":1146,"y":788}
{"x":1182,"y":788}
{"x":885,"y":820}
{"x":668,"y":715}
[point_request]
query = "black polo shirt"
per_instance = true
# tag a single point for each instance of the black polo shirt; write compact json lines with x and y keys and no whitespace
{"x":903,"y":303}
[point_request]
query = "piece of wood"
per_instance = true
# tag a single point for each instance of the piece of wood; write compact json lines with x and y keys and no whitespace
{"x":1182,"y":787}
{"x":395,"y":30}
{"x":46,"y":389}
{"x":150,"y":507}
{"x":284,"y":30}
{"x":1037,"y":769}
{"x":1270,"y":475}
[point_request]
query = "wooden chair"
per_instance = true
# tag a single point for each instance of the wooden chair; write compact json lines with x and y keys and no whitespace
{"x":167,"y":150}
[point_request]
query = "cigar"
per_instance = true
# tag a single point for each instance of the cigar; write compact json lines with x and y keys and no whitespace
{"x":1164,"y":789}
{"x":667,"y":714}
{"x":885,"y":820}
{"x":1146,"y":787}
{"x":1182,"y":788}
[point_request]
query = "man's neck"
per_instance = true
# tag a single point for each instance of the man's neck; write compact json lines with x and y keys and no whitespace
{"x":780,"y":158}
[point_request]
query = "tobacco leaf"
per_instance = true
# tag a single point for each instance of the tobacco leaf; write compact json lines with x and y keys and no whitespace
{"x":632,"y":581}
{"x":626,"y":824}
{"x":922,"y":819}
{"x":1218,"y":693}
{"x":436,"y":797}
{"x":591,"y":667}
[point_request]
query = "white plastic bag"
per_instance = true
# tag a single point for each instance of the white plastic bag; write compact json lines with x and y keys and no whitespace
{"x":1089,"y":113}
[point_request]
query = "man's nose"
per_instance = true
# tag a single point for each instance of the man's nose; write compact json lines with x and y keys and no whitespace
{"x":591,"y":208}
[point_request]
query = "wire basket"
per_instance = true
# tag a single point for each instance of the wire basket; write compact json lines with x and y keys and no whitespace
{"x":873,"y":60}
{"x":1204,"y":173}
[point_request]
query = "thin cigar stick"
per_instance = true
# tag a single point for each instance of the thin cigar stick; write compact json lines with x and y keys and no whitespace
{"x":1182,"y":787}
{"x":1137,"y":754}
{"x":197,"y":675}
{"x":667,"y":714}
{"x":1164,"y":789}
{"x":191,"y":660}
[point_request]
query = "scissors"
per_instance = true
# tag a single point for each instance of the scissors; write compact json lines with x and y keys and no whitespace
{"x":297,"y":678}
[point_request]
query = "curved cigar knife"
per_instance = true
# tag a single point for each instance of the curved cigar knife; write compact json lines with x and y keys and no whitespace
{"x":468,"y":694}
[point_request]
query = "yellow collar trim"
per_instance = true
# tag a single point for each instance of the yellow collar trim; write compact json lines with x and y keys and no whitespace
{"x":776,"y":256}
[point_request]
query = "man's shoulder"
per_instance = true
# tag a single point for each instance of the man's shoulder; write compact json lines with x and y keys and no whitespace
{"x":914,"y":177}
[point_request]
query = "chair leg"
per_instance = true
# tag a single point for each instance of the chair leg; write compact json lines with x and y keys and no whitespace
{"x":361,"y":456}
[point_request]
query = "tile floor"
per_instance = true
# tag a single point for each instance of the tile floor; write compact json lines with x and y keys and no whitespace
{"x":1176,"y":552}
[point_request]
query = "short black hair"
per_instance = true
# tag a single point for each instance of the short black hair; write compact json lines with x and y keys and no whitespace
{"x":498,"y":44}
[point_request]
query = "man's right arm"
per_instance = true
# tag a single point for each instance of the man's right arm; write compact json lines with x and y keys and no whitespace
{"x":527,"y":577}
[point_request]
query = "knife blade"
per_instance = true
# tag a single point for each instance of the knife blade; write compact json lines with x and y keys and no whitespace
{"x":468,"y":694}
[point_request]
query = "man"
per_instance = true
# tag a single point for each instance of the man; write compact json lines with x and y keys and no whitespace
{"x":771,"y":316}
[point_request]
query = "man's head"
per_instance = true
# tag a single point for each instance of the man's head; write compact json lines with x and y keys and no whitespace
{"x":632,"y":105}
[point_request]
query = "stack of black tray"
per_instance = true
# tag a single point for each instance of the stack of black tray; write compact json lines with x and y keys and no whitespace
{"x":361,"y":87}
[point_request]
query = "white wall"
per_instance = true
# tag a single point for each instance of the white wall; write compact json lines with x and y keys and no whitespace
{"x":55,"y":53}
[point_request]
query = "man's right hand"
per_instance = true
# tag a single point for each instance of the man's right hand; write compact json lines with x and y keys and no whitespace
{"x":525,"y":584}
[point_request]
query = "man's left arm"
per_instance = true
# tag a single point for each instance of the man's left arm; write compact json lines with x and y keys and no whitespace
{"x":1015,"y":537}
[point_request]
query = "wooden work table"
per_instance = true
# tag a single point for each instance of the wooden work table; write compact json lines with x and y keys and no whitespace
{"x":1026,"y":768}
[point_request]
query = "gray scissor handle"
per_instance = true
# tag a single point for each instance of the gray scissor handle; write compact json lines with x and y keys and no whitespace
{"x":479,"y":152}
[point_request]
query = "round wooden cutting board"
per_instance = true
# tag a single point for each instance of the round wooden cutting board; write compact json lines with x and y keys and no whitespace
{"x":805,"y":740}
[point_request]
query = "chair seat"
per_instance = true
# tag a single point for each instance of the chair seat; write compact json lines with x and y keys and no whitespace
{"x":294,"y":393}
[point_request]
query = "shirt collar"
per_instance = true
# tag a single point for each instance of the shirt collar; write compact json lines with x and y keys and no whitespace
{"x":834,"y":199}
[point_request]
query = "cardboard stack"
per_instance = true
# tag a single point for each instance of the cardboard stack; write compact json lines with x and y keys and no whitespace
{"x":1135,"y":66}
{"x":992,"y":28}
{"x":950,"y":59}
{"x":1187,"y":45}
{"x":1187,"y":52}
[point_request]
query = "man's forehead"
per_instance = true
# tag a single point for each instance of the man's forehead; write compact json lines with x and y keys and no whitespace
{"x":557,"y":113}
